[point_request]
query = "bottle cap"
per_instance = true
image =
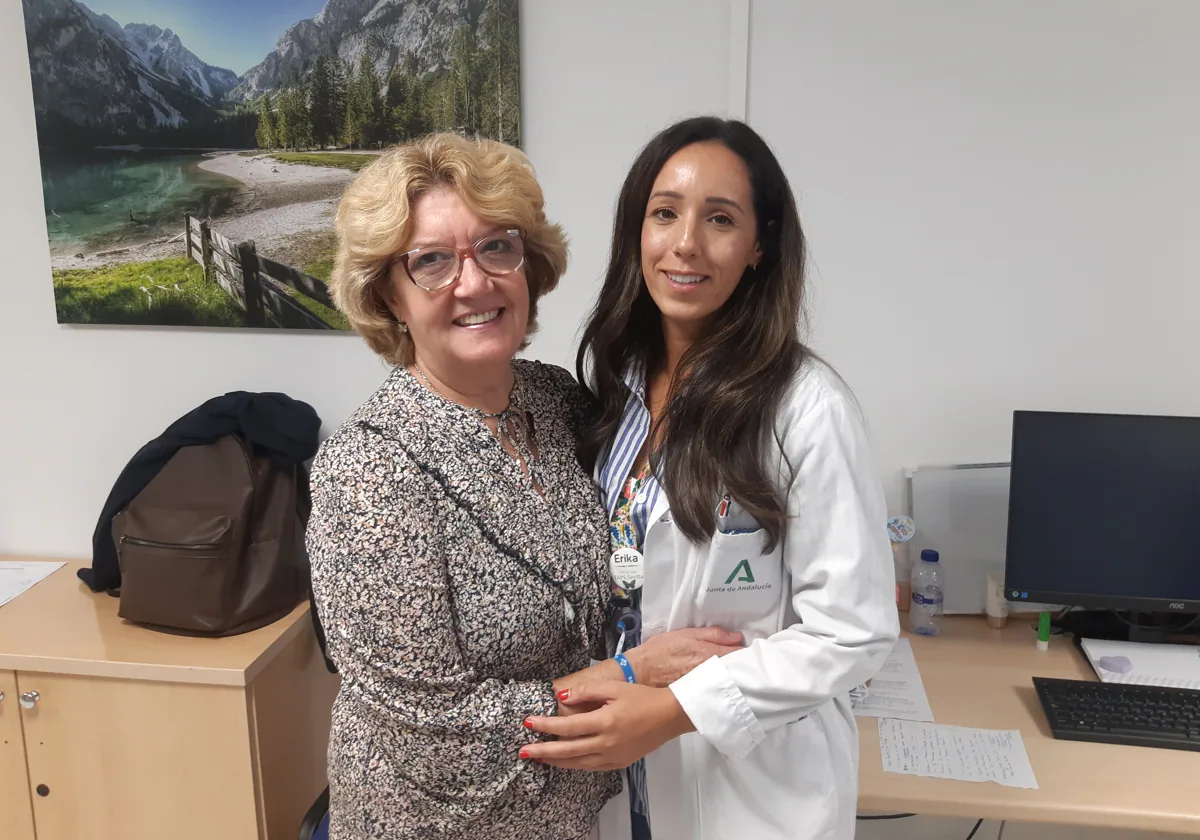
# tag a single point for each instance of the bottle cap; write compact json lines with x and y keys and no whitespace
{"x":930,"y":556}
{"x":901,"y":529}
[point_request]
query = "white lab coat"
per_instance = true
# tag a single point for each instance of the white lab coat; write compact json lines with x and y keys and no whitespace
{"x":775,"y":754}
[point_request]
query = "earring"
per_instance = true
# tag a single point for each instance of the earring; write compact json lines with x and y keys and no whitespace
{"x":403,"y":327}
{"x":754,"y":265}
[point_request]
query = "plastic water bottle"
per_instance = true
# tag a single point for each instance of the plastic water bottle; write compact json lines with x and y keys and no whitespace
{"x":925,"y":612}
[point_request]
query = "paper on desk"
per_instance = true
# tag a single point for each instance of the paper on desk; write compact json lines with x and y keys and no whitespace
{"x":955,"y":752}
{"x":17,"y":575}
{"x":897,"y":690}
{"x":1144,"y":663}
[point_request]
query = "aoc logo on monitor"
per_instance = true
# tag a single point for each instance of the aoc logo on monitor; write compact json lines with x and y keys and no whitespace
{"x":1177,"y":605}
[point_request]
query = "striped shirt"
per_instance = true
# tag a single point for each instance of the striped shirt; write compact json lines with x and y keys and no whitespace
{"x":622,"y":453}
{"x":618,"y":465}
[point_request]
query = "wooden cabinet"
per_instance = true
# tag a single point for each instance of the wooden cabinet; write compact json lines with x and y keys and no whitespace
{"x":145,"y":755}
{"x":16,"y":814}
{"x":136,"y":734}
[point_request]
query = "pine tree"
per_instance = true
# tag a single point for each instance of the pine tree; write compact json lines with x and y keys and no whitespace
{"x":283,"y":129}
{"x":302,"y":116}
{"x":340,"y":97}
{"x":396,"y":99}
{"x":376,"y":112}
{"x":267,"y":133}
{"x":397,"y":88}
{"x":415,"y":112}
{"x":324,"y":101}
{"x":364,"y":110}
{"x":348,"y":108}
{"x":500,"y":107}
{"x":295,"y":122}
{"x":464,"y":80}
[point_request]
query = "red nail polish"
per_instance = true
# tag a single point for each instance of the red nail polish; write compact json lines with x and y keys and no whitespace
{"x":528,"y":725}
{"x":524,"y":753}
{"x":564,"y":694}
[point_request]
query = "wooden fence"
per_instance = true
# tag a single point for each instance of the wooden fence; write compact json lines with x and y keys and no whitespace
{"x":251,"y":280}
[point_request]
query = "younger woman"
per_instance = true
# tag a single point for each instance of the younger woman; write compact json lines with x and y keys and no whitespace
{"x":735,"y":465}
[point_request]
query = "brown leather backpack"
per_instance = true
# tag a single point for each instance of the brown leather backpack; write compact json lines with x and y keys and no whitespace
{"x":214,"y":544}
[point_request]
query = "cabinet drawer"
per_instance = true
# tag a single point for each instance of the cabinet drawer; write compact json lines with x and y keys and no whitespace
{"x":16,"y":814}
{"x":138,"y":760}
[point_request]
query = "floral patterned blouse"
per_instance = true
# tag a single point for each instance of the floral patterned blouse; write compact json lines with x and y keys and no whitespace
{"x":452,"y":594}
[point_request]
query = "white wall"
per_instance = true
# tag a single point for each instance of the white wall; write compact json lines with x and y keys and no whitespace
{"x":1003,"y":202}
{"x":77,"y":402}
{"x":999,"y":199}
{"x":599,"y":79}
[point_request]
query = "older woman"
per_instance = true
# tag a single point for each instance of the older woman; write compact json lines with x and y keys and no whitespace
{"x":459,"y":552}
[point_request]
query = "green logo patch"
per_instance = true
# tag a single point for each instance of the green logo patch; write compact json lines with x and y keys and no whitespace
{"x":742,"y":569}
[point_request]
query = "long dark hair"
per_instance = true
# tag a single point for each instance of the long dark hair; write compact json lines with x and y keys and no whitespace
{"x":728,"y":386}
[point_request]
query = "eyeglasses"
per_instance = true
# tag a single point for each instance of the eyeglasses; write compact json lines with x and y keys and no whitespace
{"x":437,"y":266}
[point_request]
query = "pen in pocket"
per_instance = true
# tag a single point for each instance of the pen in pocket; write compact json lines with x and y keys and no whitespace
{"x":723,"y":513}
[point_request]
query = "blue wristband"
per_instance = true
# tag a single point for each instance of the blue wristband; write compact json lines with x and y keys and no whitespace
{"x":626,"y":667}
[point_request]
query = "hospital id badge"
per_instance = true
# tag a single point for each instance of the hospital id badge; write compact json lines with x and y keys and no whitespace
{"x":628,"y":568}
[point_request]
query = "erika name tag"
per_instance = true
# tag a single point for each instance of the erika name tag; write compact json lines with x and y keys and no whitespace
{"x":628,"y":568}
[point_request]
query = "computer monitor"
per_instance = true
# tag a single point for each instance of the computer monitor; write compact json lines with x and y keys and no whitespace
{"x":1104,"y":511}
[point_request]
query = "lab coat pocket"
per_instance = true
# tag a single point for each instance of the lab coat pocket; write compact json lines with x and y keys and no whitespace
{"x":733,"y":519}
{"x":783,"y":789}
{"x":739,"y":581}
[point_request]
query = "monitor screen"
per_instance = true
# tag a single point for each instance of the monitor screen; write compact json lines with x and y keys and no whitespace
{"x":1104,"y":511}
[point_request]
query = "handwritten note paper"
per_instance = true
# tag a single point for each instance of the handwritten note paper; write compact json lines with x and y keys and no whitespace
{"x":955,"y":752}
{"x":897,"y":690}
{"x":16,"y":576}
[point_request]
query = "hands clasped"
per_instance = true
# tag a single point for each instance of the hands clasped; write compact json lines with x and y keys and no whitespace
{"x":607,"y":724}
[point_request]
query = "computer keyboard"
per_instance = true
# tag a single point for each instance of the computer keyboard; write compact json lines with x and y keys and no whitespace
{"x":1118,"y":713}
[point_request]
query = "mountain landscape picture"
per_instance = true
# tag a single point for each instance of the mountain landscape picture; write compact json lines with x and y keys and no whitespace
{"x":193,"y":151}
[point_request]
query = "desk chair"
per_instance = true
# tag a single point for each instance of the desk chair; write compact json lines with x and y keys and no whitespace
{"x":315,"y":825}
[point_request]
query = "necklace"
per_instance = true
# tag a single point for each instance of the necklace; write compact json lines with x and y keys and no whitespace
{"x":512,"y":426}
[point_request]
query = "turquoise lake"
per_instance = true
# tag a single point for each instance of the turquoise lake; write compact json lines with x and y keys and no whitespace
{"x":110,"y":199}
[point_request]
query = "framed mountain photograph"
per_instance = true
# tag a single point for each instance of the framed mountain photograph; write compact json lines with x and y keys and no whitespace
{"x":193,"y":151}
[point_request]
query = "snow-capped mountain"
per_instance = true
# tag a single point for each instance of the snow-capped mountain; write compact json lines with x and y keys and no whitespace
{"x":98,"y":81}
{"x":105,"y":22}
{"x":91,"y":73}
{"x":391,"y":29}
{"x":161,"y":51}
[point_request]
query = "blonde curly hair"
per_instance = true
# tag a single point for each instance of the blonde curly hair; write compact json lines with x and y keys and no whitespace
{"x":374,"y":222}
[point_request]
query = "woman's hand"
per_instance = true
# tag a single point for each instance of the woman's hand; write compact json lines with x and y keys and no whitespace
{"x":633,"y":721}
{"x":658,"y":661}
{"x":604,"y":671}
{"x":662,"y":659}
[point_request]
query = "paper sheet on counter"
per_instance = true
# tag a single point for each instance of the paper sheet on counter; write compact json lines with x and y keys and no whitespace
{"x":956,"y":752}
{"x":1145,"y":663}
{"x":897,"y":690}
{"x":18,"y":575}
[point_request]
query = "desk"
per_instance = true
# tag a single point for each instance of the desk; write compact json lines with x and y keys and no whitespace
{"x":976,"y":676}
{"x":138,"y":734}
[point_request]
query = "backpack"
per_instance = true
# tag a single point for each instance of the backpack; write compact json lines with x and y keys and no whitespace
{"x":213,"y":545}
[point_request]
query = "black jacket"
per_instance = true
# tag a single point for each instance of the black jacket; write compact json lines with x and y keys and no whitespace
{"x":283,"y":429}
